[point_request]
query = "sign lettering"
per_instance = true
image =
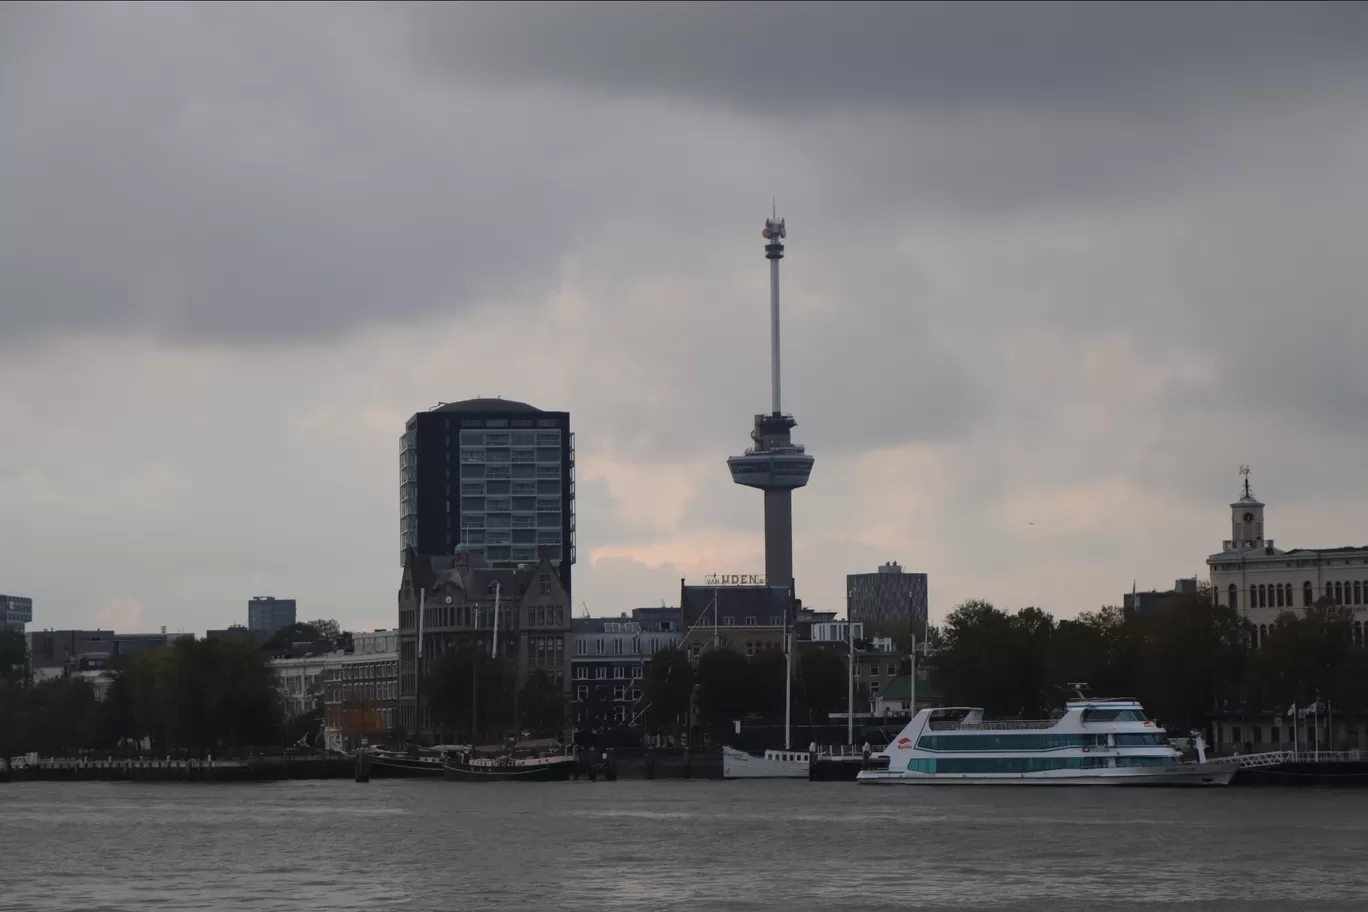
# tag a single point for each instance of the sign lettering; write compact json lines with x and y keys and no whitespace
{"x":734,"y":579}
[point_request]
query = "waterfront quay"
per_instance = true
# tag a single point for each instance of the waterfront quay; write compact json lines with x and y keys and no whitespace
{"x":264,"y":769}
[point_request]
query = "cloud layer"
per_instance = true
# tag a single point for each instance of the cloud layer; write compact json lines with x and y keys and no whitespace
{"x":1054,"y":272}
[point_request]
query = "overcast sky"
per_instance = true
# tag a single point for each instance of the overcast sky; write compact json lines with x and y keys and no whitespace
{"x":1054,"y":272}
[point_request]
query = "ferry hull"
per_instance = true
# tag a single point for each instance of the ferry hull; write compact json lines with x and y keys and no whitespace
{"x":1194,"y":775}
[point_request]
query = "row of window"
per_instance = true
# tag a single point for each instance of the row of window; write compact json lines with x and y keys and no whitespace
{"x":1113,"y":715}
{"x":505,"y":489}
{"x":361,"y":670}
{"x":382,"y":691}
{"x":471,"y":472}
{"x":506,"y":455}
{"x":544,"y":520}
{"x":510,"y":438}
{"x":1033,"y":742}
{"x":601,"y":672}
{"x":1279,"y":595}
{"x":620,"y":692}
{"x":1023,"y":764}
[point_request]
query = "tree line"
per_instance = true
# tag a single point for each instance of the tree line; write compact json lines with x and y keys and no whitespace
{"x":213,"y":696}
{"x":1183,"y":662}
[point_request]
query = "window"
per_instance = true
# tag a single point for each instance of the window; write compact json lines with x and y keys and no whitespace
{"x":619,"y":672}
{"x":1258,"y":734}
{"x":1140,"y":740}
{"x":750,"y":620}
{"x":696,"y":650}
{"x":1273,"y":735}
{"x":1234,"y":597}
{"x":601,"y":672}
{"x":1235,"y":733}
{"x":1006,"y":742}
{"x":892,"y":670}
{"x":598,"y":646}
{"x":776,"y":620}
{"x":582,"y":692}
{"x":1113,"y":715}
{"x":636,"y":671}
{"x":750,"y":650}
{"x":1306,"y":593}
{"x":728,"y":621}
{"x":617,"y":646}
{"x":619,"y":691}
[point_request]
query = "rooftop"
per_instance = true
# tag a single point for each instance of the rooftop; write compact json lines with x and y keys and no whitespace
{"x":482,"y":404}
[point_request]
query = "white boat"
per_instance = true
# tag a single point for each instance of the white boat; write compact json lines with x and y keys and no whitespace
{"x":1096,"y":742}
{"x":773,"y":764}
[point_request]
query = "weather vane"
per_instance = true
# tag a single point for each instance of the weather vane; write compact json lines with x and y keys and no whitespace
{"x":1244,"y":472}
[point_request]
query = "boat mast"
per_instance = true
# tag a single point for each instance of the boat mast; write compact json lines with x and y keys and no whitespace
{"x":850,"y":689}
{"x":788,"y":674}
{"x":418,"y":668}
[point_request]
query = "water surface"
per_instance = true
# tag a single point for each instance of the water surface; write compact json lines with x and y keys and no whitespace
{"x":675,"y":846}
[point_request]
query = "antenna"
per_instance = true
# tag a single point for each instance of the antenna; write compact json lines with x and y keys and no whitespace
{"x":775,"y":233}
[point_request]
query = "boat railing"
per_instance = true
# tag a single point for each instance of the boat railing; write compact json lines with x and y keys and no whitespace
{"x":993,"y":726}
{"x":1274,"y":758}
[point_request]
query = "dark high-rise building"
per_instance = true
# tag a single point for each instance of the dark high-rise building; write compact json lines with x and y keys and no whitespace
{"x":266,"y":614}
{"x":495,"y":475}
{"x":888,"y":595}
{"x":775,"y":464}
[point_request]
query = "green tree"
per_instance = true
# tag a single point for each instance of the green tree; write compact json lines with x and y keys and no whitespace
{"x":298,"y":632}
{"x":447,"y":691}
{"x":723,"y":695}
{"x":975,"y":666}
{"x":64,"y":716}
{"x":541,"y":706}
{"x":765,"y":684}
{"x":668,"y":689}
{"x":820,"y":684}
{"x":327,"y":628}
{"x":15,"y":678}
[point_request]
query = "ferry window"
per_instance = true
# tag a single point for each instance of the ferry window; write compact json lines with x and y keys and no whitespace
{"x":1140,"y":740}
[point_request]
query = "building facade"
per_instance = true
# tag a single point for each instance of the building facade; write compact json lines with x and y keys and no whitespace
{"x":494,"y":475}
{"x":1261,"y":581}
{"x":888,"y":594}
{"x":1155,"y":601}
{"x":361,"y":692}
{"x":610,"y":659}
{"x":746,"y":618}
{"x":460,"y":596}
{"x":266,"y":614}
{"x":16,"y":612}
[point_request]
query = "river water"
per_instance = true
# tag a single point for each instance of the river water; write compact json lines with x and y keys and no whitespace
{"x":675,"y":845}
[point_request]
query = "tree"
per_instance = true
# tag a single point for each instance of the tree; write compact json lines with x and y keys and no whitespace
{"x":447,"y":691}
{"x":64,"y":716}
{"x":975,"y":666}
{"x":297,"y":632}
{"x":596,"y":710}
{"x":328,"y":629}
{"x":668,"y":689}
{"x":821,"y":684}
{"x":723,"y":676}
{"x":765,"y":683}
{"x":15,"y":678}
{"x":541,"y":706}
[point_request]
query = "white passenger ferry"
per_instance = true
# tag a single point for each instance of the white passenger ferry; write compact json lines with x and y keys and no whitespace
{"x":1095,"y":742}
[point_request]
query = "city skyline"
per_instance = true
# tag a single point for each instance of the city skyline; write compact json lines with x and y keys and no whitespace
{"x":1041,"y":301}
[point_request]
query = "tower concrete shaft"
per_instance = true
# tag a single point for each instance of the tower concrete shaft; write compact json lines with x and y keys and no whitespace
{"x":774,"y":464}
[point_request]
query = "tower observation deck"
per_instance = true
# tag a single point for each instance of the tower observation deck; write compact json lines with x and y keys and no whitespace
{"x":774,"y":464}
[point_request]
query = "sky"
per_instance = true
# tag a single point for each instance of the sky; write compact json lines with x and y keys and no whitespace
{"x":1054,"y":272}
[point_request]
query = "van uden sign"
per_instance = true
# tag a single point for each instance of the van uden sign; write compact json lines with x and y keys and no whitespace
{"x":734,"y":579}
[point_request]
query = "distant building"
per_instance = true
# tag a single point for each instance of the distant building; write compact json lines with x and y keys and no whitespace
{"x":887,"y":595}
{"x":358,"y":688}
{"x":52,"y":653}
{"x":1260,"y":581}
{"x":459,"y":594}
{"x":239,"y":632}
{"x":610,"y":660}
{"x":495,"y":475}
{"x":747,"y":617}
{"x":1155,"y":601}
{"x":266,"y":614}
{"x":15,"y":612}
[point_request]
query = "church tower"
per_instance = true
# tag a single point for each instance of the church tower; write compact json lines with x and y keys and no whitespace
{"x":1246,"y":519}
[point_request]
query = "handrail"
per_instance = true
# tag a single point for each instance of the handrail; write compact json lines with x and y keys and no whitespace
{"x":993,"y":726}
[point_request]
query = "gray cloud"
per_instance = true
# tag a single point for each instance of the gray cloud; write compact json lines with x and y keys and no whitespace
{"x":1041,"y":258}
{"x":949,"y":57}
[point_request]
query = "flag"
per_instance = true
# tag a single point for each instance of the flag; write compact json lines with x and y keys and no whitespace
{"x":1314,"y":708}
{"x":1292,"y":710}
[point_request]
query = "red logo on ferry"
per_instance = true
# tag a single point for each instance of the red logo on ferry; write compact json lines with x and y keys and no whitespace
{"x":904,"y":744}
